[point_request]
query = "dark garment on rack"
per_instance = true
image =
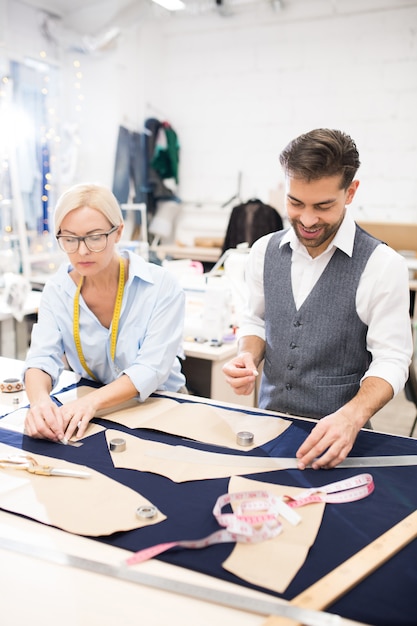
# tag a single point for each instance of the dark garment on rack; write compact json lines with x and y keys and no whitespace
{"x":152,"y":183}
{"x":250,"y":221}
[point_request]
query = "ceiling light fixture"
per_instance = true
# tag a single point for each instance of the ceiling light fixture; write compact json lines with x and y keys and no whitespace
{"x":171,"y":5}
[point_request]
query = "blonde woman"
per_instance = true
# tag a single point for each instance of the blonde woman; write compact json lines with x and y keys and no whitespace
{"x":115,"y":318}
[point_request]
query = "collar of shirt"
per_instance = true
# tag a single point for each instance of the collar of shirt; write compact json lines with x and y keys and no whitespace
{"x":305,"y":269}
{"x":343,"y":239}
{"x":137,"y":267}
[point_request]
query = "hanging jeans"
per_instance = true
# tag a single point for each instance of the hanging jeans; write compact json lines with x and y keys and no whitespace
{"x":127,"y":167}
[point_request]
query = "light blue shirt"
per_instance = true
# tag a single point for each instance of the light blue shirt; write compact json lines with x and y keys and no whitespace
{"x":150,"y":331}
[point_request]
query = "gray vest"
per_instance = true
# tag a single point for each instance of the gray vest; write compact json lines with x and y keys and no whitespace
{"x":315,"y":357}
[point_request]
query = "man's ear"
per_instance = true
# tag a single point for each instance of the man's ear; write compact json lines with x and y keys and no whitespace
{"x":351,"y":190}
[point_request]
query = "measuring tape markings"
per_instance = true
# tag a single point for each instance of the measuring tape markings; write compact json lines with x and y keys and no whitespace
{"x":114,"y":324}
{"x":239,"y":526}
{"x":347,"y":490}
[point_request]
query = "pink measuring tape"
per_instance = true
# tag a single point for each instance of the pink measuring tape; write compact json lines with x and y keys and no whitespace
{"x":256,"y":516}
{"x":347,"y":490}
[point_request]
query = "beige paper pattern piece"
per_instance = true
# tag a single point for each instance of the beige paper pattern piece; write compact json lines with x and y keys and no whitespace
{"x":273,"y":564}
{"x":193,"y":420}
{"x":181,"y":464}
{"x":94,"y":506}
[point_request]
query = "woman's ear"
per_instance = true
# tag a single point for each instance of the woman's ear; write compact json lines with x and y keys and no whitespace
{"x":119,"y":232}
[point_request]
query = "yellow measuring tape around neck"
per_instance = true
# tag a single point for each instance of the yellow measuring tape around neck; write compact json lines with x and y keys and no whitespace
{"x":114,"y":324}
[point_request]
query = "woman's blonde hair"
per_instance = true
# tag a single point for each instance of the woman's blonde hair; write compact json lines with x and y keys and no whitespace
{"x":88,"y":194}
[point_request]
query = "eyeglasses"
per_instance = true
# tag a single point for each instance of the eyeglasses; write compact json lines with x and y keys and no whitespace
{"x":95,"y":243}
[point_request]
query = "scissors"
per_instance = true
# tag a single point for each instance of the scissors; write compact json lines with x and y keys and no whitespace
{"x":30,"y":464}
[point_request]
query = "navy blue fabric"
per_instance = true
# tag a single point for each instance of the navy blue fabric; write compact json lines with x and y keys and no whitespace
{"x":386,"y":598}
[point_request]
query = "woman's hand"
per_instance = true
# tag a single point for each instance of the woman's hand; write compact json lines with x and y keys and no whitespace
{"x":77,"y":415}
{"x":44,"y":420}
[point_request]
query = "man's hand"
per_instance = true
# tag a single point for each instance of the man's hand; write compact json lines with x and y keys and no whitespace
{"x":329,"y":442}
{"x":241,"y":373}
{"x":333,"y":437}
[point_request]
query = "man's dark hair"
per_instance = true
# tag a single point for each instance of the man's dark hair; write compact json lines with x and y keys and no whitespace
{"x":319,"y":153}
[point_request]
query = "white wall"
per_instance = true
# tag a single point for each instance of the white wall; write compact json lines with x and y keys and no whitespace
{"x":240,"y":89}
{"x":237,"y":89}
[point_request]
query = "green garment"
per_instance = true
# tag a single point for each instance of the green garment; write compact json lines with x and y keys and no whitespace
{"x":165,"y":160}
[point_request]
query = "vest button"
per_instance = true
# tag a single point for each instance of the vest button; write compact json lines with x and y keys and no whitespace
{"x":293,"y":345}
{"x":297,"y":323}
{"x":290,"y":366}
{"x":288,"y":386}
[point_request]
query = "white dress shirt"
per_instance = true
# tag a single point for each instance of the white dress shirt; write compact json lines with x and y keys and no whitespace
{"x":382,"y":298}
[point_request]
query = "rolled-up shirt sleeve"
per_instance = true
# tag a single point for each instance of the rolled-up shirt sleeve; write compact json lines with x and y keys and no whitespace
{"x":253,"y":316}
{"x":46,"y":347}
{"x":162,"y":342}
{"x":383,"y":302}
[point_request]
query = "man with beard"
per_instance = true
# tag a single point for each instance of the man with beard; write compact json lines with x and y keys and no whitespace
{"x":328,"y":310}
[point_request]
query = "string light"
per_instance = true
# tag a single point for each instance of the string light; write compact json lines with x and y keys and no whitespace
{"x":50,"y":140}
{"x":49,"y":122}
{"x":47,"y":134}
{"x":78,"y":76}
